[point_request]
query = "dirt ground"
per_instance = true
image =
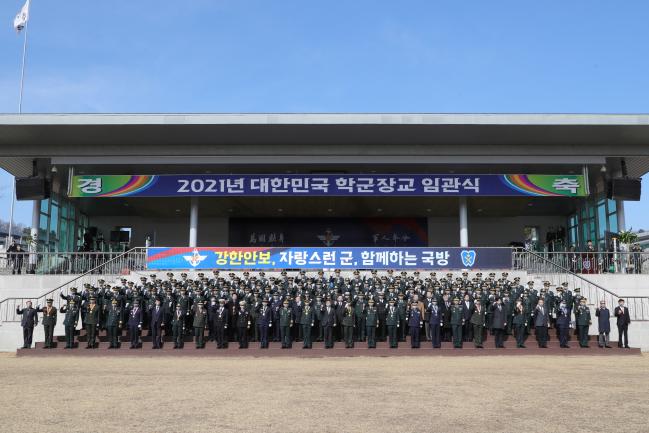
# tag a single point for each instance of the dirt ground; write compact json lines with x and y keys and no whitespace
{"x":341,"y":395}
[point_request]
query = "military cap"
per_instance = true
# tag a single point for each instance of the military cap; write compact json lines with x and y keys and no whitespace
{"x":102,"y":281}
{"x":577,"y":289}
{"x":371,"y":301}
{"x":456,"y":298}
{"x":184,"y":274}
{"x":170,"y":274}
{"x":285,"y":301}
{"x":200,"y":303}
{"x":136,"y":302}
{"x":49,"y":301}
{"x":72,"y":301}
{"x":564,"y":284}
{"x":92,"y":298}
{"x":391,"y":301}
{"x":114,"y":301}
{"x":242,"y":302}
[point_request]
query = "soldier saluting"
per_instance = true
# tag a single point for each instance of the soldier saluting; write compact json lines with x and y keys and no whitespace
{"x":70,"y":321}
{"x":49,"y":322}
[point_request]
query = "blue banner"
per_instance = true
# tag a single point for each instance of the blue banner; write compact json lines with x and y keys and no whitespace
{"x":275,"y":185}
{"x":319,"y":258}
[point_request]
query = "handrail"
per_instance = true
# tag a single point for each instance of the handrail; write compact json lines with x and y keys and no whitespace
{"x":568,"y":271}
{"x":638,"y":305}
{"x":8,"y":305}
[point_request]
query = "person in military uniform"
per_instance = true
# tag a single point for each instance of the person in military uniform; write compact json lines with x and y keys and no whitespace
{"x":264,"y":323}
{"x":402,"y":308}
{"x":371,"y":324}
{"x":285,"y":324}
{"x":520,"y":323}
{"x":70,"y":321}
{"x":457,"y":322}
{"x":221,"y":318}
{"x":243,"y":323}
{"x":563,"y":323}
{"x":478,"y":320}
{"x":359,"y":316}
{"x":178,"y":327}
{"x":92,"y":322}
{"x":135,"y":324}
{"x":583,"y":322}
{"x":415,"y":322}
{"x":435,"y":323}
{"x":392,"y":323}
{"x":49,"y":322}
{"x":114,"y":324}
{"x":328,"y":322}
{"x":349,"y":322}
{"x":28,"y":322}
{"x":199,"y":323}
{"x":307,"y":322}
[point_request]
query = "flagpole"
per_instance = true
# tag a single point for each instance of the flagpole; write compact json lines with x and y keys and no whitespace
{"x":11,"y":213}
{"x":22,"y":72}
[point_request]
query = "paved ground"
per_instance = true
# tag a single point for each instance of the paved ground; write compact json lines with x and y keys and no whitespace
{"x":341,"y":395}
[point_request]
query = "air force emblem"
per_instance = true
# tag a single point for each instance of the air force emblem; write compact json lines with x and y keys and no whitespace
{"x":468,"y":257}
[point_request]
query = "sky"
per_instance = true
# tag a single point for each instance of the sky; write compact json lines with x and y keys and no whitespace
{"x":327,"y":56}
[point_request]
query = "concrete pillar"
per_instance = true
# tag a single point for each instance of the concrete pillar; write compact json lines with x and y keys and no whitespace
{"x":36,"y":213}
{"x":621,"y":223}
{"x":193,"y":221}
{"x":464,"y":223}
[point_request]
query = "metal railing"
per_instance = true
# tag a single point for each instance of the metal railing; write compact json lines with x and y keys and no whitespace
{"x":596,"y":262}
{"x":61,"y":263}
{"x":122,"y":264}
{"x":556,"y":274}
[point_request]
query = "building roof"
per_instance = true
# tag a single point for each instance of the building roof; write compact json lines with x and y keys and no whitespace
{"x":335,"y":137}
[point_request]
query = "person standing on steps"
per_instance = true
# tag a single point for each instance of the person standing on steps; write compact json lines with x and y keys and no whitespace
{"x":92,"y":322}
{"x":623,"y":322}
{"x":49,"y":322}
{"x":28,"y":322}
{"x":70,"y":322}
{"x":603,"y":325}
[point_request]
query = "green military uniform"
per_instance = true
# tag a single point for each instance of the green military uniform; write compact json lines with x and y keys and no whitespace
{"x":113,"y":324}
{"x":49,"y":322}
{"x":92,"y":322}
{"x":392,"y":322}
{"x":457,"y":321}
{"x":200,"y":323}
{"x":583,"y":322}
{"x":285,"y":323}
{"x":478,"y":321}
{"x":349,"y":321}
{"x":306,"y":322}
{"x":371,"y":323}
{"x":70,"y":322}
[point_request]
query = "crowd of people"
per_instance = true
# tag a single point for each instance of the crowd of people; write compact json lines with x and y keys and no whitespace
{"x":364,"y":308}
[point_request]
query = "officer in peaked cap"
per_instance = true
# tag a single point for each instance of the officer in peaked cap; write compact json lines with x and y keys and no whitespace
{"x":114,"y":324}
{"x":457,"y":322}
{"x":70,"y":321}
{"x":92,"y":322}
{"x":199,"y":324}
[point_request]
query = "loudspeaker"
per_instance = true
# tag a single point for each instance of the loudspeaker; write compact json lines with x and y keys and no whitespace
{"x":32,"y":188}
{"x":118,"y":236}
{"x":624,"y":189}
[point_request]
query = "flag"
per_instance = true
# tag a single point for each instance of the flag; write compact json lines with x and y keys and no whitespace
{"x":22,"y":17}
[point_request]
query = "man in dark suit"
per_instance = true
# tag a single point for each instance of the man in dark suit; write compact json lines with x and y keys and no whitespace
{"x":157,"y":317}
{"x":28,"y":322}
{"x":623,"y":322}
{"x":498,"y":322}
{"x":435,"y":323}
{"x":135,"y":324}
{"x":478,"y":321}
{"x":415,"y":322}
{"x":178,"y":327}
{"x":603,"y":325}
{"x":328,"y":322}
{"x":541,"y":319}
{"x":49,"y":322}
